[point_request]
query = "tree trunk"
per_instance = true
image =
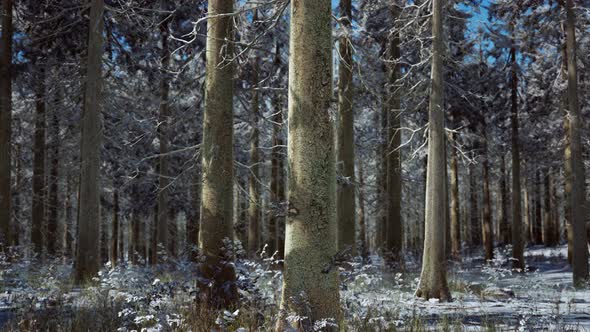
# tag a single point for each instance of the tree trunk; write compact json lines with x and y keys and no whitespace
{"x":276,"y":218}
{"x":69,"y":223}
{"x":253,"y":183}
{"x":39,"y":191}
{"x":310,"y":286}
{"x":5,"y":122}
{"x":488,"y":234}
{"x":455,"y":213}
{"x":115,"y":227}
{"x":394,"y":235}
{"x":538,"y":226}
{"x":517,"y":243}
{"x":475,"y":239}
{"x":163,"y":125}
{"x":345,"y":200}
{"x":503,"y":215}
{"x":87,"y":254}
{"x":578,"y":179}
{"x":549,"y":223}
{"x":567,"y":165}
{"x":433,"y":279}
{"x":218,"y":159}
{"x":526,"y":207}
{"x":53,"y":245}
{"x":381,"y":217}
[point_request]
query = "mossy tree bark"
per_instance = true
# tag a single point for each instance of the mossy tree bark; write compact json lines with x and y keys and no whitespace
{"x":578,"y":203}
{"x":310,"y":286}
{"x":217,"y":272}
{"x":5,"y":122}
{"x":345,"y":200}
{"x":433,"y":279}
{"x":87,"y":261}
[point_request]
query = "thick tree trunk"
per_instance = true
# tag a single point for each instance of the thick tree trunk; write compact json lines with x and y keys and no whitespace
{"x":517,"y":243}
{"x":394,"y":235}
{"x":578,"y":194}
{"x":163,"y":125}
{"x":39,"y":189}
{"x":87,"y":254}
{"x":53,"y":244}
{"x":253,"y":181}
{"x":433,"y":279}
{"x":5,"y":122}
{"x":567,"y":165}
{"x":310,"y":286}
{"x":219,"y":288}
{"x":345,"y":200}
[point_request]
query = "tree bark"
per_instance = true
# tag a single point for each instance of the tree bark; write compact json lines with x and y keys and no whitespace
{"x":433,"y":279}
{"x":345,"y":200}
{"x":39,"y":189}
{"x":218,"y":158}
{"x":578,"y":194}
{"x":87,"y":254}
{"x":5,"y":122}
{"x":253,"y":181}
{"x":310,"y":286}
{"x":549,"y":223}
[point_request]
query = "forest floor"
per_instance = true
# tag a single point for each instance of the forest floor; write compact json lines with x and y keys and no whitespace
{"x":486,"y":296}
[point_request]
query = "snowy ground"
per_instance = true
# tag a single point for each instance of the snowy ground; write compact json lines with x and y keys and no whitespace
{"x":486,"y":296}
